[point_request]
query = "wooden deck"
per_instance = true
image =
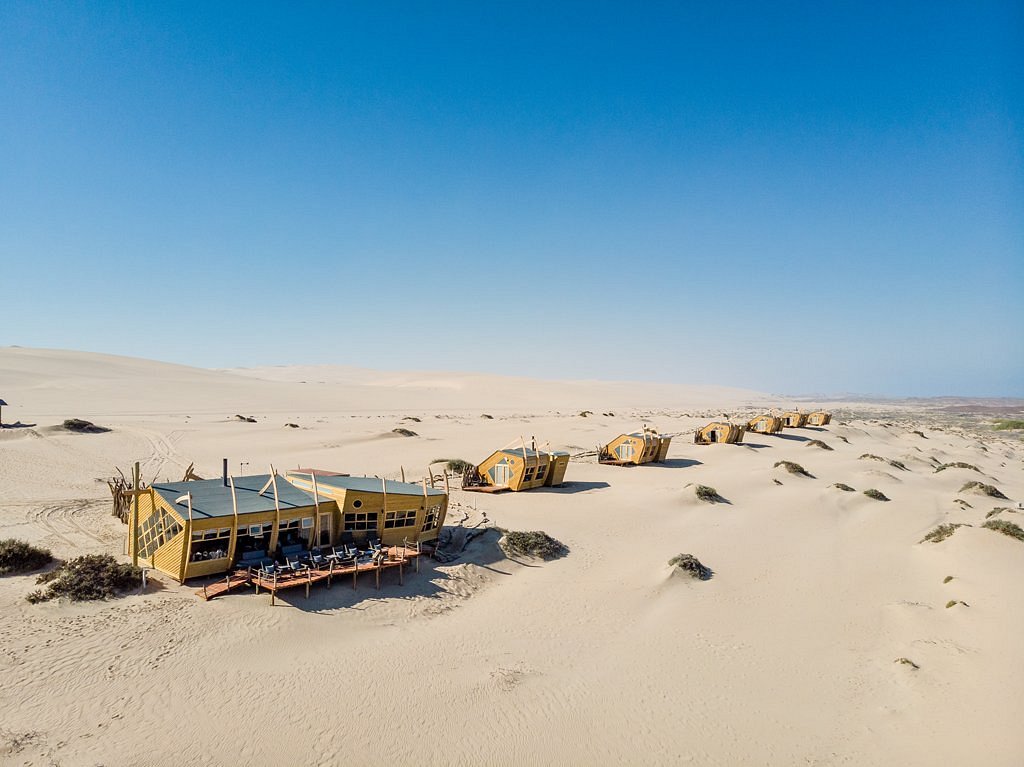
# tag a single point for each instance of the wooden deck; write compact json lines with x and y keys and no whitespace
{"x":486,"y":489}
{"x":397,"y":556}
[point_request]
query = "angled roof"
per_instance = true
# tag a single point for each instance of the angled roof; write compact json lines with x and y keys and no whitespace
{"x":365,"y":484}
{"x":519,"y":452}
{"x":211,"y":499}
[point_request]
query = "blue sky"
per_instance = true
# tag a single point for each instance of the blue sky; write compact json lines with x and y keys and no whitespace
{"x":817,"y":197}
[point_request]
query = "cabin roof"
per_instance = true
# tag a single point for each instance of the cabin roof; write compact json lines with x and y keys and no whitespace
{"x":370,"y":485}
{"x":210,"y":498}
{"x":519,"y":452}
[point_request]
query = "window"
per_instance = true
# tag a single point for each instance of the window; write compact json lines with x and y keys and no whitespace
{"x":540,"y":472}
{"x":357,"y":504}
{"x":210,"y":544}
{"x":394,"y":519}
{"x":431,"y":517}
{"x":363,"y":520}
{"x":156,"y":530}
{"x":528,"y":475}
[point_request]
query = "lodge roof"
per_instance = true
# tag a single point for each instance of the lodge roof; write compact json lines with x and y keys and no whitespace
{"x":366,"y":484}
{"x":211,"y":498}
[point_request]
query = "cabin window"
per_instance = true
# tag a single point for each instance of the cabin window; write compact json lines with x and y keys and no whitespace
{"x":210,"y":544}
{"x":356,"y":504}
{"x":253,"y":537}
{"x":528,"y":475}
{"x":158,"y":528}
{"x":394,"y":519}
{"x":364,"y":520}
{"x":431,"y":517}
{"x":541,"y":470}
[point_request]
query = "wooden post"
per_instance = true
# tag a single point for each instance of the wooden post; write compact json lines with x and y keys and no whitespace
{"x":316,"y":505}
{"x":403,"y":473}
{"x":384,"y":513}
{"x":135,"y":516}
{"x":186,"y":551}
{"x":233,"y":541}
{"x":276,"y":535}
{"x":401,"y":579}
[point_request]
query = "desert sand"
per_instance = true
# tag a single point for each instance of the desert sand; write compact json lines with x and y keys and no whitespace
{"x":787,"y":655}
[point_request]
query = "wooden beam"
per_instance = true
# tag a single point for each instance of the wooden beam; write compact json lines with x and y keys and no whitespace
{"x":233,"y":540}
{"x":135,"y":515}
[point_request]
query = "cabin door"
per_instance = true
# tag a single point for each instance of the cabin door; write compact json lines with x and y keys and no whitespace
{"x":325,"y":530}
{"x":625,"y":451}
{"x":501,"y":474}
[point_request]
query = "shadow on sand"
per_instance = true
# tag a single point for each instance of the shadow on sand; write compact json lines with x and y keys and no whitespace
{"x":443,"y":588}
{"x":569,"y":488}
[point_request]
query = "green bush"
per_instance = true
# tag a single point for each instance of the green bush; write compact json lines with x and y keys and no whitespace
{"x":404,"y":432}
{"x":22,"y":557}
{"x":456,"y":465}
{"x":533,"y":543}
{"x":817,"y":443}
{"x":83,"y":427}
{"x":690,"y":565}
{"x":947,"y":579}
{"x":93,"y":576}
{"x":841,"y":486}
{"x":707,"y":493}
{"x":907,"y":662}
{"x":999,"y":510}
{"x":941,"y":533}
{"x":878,"y":495}
{"x":956,"y":465}
{"x":980,"y":487}
{"x":1003,"y":425}
{"x":793,"y":468}
{"x":1006,"y":528}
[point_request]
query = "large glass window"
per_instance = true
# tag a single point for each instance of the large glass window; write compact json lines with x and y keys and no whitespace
{"x":432,"y":516}
{"x":210,"y":544}
{"x":361,"y":520}
{"x":157,"y":529}
{"x":393,"y":519}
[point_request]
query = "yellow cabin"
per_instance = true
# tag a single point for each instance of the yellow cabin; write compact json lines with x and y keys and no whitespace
{"x":719,"y":431}
{"x":819,"y":418}
{"x":517,"y":469}
{"x":200,"y":528}
{"x":207,"y":527}
{"x":765,"y":424}
{"x":794,"y":420}
{"x":635,"y":449}
{"x":367,"y":507}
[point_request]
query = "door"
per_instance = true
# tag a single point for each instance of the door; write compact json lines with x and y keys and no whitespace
{"x":501,"y":474}
{"x":326,"y":533}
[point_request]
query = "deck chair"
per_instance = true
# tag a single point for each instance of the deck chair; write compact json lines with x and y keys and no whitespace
{"x":317,"y":558}
{"x":296,"y":565}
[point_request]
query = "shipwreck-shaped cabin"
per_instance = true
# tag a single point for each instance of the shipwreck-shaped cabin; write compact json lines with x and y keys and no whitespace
{"x":368,"y":507}
{"x":517,"y":468}
{"x":647,"y":446}
{"x":794,"y":419}
{"x":199,"y":528}
{"x":819,"y":418}
{"x":719,"y":431}
{"x":765,"y":424}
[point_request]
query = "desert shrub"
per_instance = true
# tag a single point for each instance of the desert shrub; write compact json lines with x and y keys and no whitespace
{"x":841,"y":486}
{"x":906,"y":662}
{"x":817,"y":443}
{"x":533,"y":543}
{"x":93,"y":576}
{"x":487,"y":416}
{"x":950,"y":603}
{"x":22,"y":557}
{"x":898,"y":464}
{"x":962,"y":503}
{"x":412,"y":418}
{"x":1005,"y":527}
{"x":956,"y":465}
{"x":980,"y":487}
{"x":586,"y":413}
{"x":689,"y":564}
{"x":83,"y":427}
{"x":871,"y":457}
{"x":844,"y":439}
{"x":941,"y":533}
{"x":456,"y":465}
{"x":947,"y":579}
{"x":243,"y":418}
{"x":404,"y":432}
{"x":793,"y":468}
{"x":1003,"y":425}
{"x":707,"y":493}
{"x":877,"y":495}
{"x":919,"y":433}
{"x":999,"y":510}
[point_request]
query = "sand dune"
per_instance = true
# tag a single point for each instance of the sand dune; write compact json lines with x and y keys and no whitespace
{"x":785,"y":656}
